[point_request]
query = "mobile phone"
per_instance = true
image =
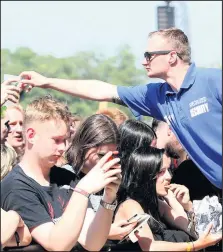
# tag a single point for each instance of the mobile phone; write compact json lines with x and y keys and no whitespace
{"x":112,"y":157}
{"x":7,"y":77}
{"x":134,"y":218}
{"x":141,"y":219}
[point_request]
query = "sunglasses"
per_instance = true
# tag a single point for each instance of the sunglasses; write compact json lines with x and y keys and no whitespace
{"x":7,"y":125}
{"x":148,"y":55}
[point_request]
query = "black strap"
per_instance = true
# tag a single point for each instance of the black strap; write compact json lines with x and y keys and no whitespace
{"x":17,"y":239}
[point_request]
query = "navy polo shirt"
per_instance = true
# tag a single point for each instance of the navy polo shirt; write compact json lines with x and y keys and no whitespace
{"x":194,"y":113}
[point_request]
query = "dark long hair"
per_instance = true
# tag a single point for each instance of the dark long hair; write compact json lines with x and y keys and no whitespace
{"x":139,"y":181}
{"x":134,"y":134}
{"x":96,"y":130}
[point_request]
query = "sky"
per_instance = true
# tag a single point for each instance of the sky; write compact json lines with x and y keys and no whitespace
{"x":62,"y":28}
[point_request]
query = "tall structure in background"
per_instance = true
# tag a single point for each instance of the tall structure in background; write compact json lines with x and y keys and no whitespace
{"x":165,"y":16}
{"x":173,"y":14}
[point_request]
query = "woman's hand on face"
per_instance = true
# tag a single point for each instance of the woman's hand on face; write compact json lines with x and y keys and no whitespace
{"x":120,"y":229}
{"x":111,"y":190}
{"x":103,"y":174}
{"x":181,"y":193}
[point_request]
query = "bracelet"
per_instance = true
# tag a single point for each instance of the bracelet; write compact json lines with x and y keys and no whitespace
{"x":108,"y":206}
{"x":190,"y":245}
{"x":78,"y":190}
{"x":17,"y":239}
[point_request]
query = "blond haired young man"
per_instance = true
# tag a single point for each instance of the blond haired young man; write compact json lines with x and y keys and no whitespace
{"x":52,"y":205}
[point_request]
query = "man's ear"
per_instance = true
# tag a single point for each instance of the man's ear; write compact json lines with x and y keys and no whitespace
{"x":173,"y":58}
{"x":30,"y":135}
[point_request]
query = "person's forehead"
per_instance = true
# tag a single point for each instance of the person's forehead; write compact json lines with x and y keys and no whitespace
{"x":14,"y":114}
{"x":107,"y":147}
{"x":157,"y":43}
{"x":51,"y":128}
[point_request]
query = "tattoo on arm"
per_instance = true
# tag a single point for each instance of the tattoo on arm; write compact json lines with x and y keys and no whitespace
{"x":118,"y":101}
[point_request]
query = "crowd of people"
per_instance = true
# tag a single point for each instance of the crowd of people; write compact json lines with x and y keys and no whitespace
{"x":70,"y":183}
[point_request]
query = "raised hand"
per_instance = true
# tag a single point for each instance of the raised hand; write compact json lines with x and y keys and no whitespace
{"x":30,"y":79}
{"x":10,"y":92}
{"x":101,"y":175}
{"x":181,"y":193}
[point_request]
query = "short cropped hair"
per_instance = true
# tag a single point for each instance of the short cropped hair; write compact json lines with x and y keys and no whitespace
{"x":8,"y":159}
{"x":115,"y":114}
{"x":45,"y":109}
{"x":16,"y":106}
{"x":179,"y":41}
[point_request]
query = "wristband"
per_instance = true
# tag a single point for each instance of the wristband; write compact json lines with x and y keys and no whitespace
{"x":17,"y":239}
{"x":190,"y":245}
{"x":78,"y":190}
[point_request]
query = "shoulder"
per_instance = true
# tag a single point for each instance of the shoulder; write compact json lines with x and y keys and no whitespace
{"x":17,"y":187}
{"x":15,"y":179}
{"x":131,"y":203}
{"x":143,"y":88}
{"x":209,"y":73}
{"x":149,"y":94}
{"x":129,"y":208}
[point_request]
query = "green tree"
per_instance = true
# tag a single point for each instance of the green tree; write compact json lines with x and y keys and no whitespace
{"x":119,"y":69}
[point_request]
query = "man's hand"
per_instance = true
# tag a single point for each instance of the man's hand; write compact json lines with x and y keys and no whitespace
{"x":101,"y":175}
{"x":32,"y":79}
{"x":120,"y":229}
{"x":10,"y":92}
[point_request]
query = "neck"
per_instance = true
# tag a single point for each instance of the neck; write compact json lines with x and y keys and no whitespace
{"x":183,"y":157}
{"x":176,"y":75}
{"x":35,"y":169}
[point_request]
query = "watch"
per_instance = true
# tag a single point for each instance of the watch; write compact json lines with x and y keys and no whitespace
{"x":108,"y":206}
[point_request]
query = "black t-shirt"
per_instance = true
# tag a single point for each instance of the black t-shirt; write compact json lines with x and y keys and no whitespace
{"x":37,"y":204}
{"x":189,"y":175}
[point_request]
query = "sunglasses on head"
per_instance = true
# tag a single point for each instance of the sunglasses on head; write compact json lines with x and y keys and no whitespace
{"x":7,"y":125}
{"x":148,"y":55}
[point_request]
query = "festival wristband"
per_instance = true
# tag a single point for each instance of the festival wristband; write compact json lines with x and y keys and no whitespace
{"x":78,"y":190}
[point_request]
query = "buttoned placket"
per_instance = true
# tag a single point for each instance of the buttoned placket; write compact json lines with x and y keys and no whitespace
{"x":180,"y":111}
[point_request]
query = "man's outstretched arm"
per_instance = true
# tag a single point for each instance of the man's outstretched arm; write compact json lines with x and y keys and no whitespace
{"x":87,"y":89}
